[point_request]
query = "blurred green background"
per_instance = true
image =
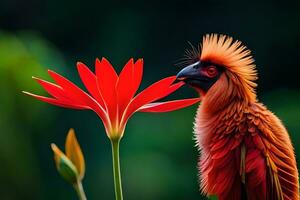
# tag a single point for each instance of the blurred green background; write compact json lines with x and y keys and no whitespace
{"x":158,"y":156}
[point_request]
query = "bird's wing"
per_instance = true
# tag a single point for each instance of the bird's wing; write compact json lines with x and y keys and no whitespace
{"x":270,"y":154}
{"x":253,"y":170}
{"x":220,"y":173}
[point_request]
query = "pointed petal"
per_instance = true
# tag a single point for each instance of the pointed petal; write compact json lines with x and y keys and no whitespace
{"x":74,"y":153}
{"x":124,"y":85}
{"x":90,"y":82}
{"x":71,"y":90}
{"x":77,"y":95}
{"x":137,"y":74}
{"x":168,"y":105}
{"x":52,"y":89}
{"x":128,"y":83}
{"x":107,"y":79}
{"x":56,"y":102}
{"x":106,"y":71}
{"x":152,"y":93}
{"x":172,"y":89}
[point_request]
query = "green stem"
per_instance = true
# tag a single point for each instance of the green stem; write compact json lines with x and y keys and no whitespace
{"x":80,"y":191}
{"x":116,"y":167}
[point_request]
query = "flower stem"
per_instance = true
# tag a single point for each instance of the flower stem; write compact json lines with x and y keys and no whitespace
{"x":80,"y":191}
{"x":116,"y":167}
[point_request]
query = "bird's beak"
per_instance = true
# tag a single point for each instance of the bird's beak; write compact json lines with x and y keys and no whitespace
{"x":189,"y":72}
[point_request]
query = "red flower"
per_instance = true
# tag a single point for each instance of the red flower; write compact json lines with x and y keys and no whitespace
{"x":112,"y":96}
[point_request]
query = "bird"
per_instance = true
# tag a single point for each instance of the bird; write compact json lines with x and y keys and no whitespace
{"x":245,"y":151}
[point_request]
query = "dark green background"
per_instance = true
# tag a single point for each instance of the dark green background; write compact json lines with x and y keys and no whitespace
{"x":158,"y":156}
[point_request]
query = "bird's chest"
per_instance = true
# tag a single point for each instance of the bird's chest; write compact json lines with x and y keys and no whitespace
{"x":217,"y":132}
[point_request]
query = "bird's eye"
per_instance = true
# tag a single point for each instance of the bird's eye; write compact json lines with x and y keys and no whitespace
{"x":211,"y":71}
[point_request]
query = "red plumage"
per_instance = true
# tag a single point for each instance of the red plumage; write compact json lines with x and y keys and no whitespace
{"x":246,"y":152}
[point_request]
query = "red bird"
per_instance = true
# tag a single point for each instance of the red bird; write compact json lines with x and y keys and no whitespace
{"x":246,"y":152}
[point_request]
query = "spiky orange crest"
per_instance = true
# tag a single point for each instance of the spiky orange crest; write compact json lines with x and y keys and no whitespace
{"x":235,"y":57}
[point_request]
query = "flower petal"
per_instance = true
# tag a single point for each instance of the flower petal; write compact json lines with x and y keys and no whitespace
{"x":152,"y":93}
{"x":168,"y":105}
{"x":137,"y":74}
{"x":90,"y":82}
{"x":56,"y":102}
{"x":172,"y":89}
{"x":78,"y":96}
{"x":71,"y":90}
{"x":52,"y":89}
{"x":107,"y":79}
{"x":74,"y":153}
{"x":128,"y":83}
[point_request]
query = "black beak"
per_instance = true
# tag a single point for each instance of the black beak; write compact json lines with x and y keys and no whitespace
{"x":189,"y":72}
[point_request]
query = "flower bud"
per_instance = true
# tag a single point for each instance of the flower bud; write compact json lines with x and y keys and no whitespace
{"x":64,"y":166}
{"x":71,"y":165}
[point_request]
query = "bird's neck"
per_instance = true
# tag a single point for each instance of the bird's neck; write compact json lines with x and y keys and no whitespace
{"x":223,"y":94}
{"x":215,"y":110}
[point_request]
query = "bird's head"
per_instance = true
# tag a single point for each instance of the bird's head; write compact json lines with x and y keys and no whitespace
{"x":221,"y":67}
